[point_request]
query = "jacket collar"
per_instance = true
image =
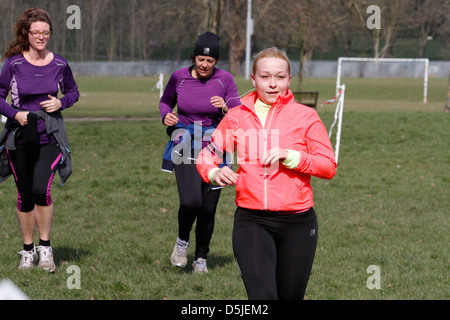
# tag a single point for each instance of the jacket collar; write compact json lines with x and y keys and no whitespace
{"x":249,"y":100}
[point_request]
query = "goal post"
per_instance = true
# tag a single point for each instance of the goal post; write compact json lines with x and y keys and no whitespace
{"x":338,"y":115}
{"x":376,"y":60}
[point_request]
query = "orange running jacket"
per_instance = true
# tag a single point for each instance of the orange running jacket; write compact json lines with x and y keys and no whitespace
{"x":289,"y":125}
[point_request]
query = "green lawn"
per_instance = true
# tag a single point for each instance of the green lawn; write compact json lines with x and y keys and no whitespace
{"x":116,"y":218}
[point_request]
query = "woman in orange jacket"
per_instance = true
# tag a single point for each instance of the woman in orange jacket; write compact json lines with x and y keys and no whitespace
{"x":280,"y":144}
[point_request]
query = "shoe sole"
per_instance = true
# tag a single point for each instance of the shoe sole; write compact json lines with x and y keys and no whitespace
{"x":25,"y":268}
{"x":50,"y":269}
{"x":179,"y":265}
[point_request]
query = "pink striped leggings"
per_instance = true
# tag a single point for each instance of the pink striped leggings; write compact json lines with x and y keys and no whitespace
{"x":34,"y":167}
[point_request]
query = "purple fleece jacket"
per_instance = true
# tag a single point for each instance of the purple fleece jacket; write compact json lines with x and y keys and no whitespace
{"x":30,"y":85}
{"x":193,"y":96}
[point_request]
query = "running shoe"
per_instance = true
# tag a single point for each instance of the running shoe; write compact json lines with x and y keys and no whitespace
{"x":179,"y":254}
{"x":28,"y":259}
{"x":199,"y":266}
{"x":46,"y":258}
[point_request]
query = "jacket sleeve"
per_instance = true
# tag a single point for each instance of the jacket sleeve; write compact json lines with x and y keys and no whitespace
{"x":5,"y":83}
{"x":69,"y":88}
{"x":319,"y":160}
{"x":213,"y":154}
{"x":232,"y":97}
{"x":169,"y":98}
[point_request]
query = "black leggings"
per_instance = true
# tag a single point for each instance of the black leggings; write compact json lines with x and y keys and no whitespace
{"x":197,"y":201}
{"x":34,"y":167}
{"x":275,"y":252}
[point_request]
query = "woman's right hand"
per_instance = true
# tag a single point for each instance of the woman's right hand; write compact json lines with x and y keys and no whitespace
{"x":225,"y":176}
{"x":22,"y":118}
{"x":170,"y":119}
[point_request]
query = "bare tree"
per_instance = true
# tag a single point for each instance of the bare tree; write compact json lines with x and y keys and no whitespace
{"x":348,"y":24}
{"x":430,"y":19}
{"x":95,"y":21}
{"x":7,"y":23}
{"x":299,"y":24}
{"x":393,"y":13}
{"x":447,"y":103}
{"x":213,"y":10}
{"x":153,"y":29}
{"x":234,"y":28}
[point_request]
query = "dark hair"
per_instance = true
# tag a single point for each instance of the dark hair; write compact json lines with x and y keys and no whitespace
{"x":23,"y":23}
{"x":208,"y":44}
{"x":193,"y":56}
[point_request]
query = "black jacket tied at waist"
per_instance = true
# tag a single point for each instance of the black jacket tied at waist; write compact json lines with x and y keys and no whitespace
{"x":54,"y":124}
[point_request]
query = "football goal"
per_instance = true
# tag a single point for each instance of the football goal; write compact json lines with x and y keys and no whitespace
{"x":377,"y":70}
{"x":338,"y":115}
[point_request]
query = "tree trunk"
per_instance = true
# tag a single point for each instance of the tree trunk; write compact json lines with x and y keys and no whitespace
{"x":211,"y":20}
{"x":237,"y":35}
{"x":302,"y":54}
{"x":447,"y":104}
{"x":237,"y":50}
{"x":376,"y":43}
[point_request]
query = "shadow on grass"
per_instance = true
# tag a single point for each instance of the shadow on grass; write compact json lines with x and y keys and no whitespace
{"x":213,"y":261}
{"x":65,"y":255}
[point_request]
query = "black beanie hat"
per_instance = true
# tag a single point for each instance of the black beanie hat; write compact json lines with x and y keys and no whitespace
{"x":208,"y":44}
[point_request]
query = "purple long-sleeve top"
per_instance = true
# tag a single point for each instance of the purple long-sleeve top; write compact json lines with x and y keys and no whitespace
{"x":30,"y":85}
{"x":193,"y":96}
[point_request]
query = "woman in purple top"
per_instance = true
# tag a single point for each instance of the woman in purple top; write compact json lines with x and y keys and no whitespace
{"x":202,"y":94}
{"x":34,"y":75}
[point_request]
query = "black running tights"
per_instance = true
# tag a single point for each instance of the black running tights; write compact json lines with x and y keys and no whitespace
{"x":275,"y":252}
{"x":198,"y":201}
{"x":34,"y":167}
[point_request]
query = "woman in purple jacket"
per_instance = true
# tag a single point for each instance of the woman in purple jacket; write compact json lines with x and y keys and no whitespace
{"x":34,"y":75}
{"x":202,"y":94}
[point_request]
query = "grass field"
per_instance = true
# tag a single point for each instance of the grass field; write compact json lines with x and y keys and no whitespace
{"x":115,"y":219}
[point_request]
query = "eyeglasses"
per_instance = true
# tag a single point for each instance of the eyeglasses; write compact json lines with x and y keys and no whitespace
{"x":36,"y":34}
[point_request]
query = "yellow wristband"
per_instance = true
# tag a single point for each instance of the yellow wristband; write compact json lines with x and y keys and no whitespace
{"x":293,"y":159}
{"x":211,"y":175}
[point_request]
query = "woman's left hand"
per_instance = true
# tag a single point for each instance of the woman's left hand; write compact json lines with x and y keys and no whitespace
{"x":218,"y":102}
{"x":51,"y":105}
{"x":274,"y":155}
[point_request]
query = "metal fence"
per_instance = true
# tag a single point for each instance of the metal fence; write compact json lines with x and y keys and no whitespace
{"x":314,"y":69}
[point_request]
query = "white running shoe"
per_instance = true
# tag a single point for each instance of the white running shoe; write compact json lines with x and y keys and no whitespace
{"x":179,"y":254}
{"x":28,"y":259}
{"x":46,"y":258}
{"x":199,"y":266}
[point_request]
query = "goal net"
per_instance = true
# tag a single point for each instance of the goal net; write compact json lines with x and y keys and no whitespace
{"x":384,"y":68}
